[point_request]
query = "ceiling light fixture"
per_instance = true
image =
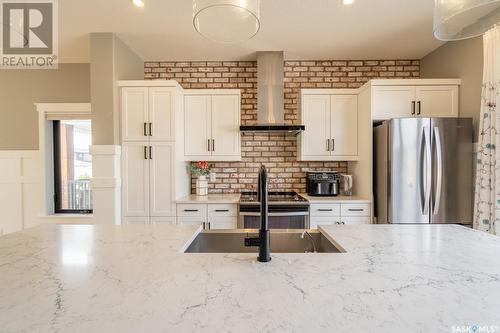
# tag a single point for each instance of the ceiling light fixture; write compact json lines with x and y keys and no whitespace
{"x":347,"y":2}
{"x":138,"y":3}
{"x":461,"y":19}
{"x":227,"y":21}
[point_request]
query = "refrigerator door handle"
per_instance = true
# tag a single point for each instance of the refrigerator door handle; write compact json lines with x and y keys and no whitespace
{"x":439,"y":176}
{"x":428,"y":166}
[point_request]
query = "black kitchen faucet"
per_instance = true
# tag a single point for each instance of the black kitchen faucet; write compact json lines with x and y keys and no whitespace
{"x":263,"y":241}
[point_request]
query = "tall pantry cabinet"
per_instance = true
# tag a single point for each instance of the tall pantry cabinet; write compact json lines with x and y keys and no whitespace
{"x":154,"y":172}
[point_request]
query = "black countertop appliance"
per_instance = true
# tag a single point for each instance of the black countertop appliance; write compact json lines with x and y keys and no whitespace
{"x":323,"y":183}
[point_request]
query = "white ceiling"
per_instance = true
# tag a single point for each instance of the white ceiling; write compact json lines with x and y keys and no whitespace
{"x":304,"y":29}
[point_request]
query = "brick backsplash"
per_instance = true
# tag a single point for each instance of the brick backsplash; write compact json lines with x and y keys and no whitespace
{"x":277,"y":152}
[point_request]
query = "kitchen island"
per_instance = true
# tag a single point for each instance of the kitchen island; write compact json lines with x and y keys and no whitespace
{"x":133,"y":278}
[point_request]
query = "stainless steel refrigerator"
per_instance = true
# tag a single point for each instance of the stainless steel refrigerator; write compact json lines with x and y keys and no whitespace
{"x":423,"y":170}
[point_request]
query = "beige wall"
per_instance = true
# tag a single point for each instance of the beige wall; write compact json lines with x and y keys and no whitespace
{"x":111,"y":60}
{"x":461,"y":59}
{"x":101,"y":76}
{"x":20,"y":89}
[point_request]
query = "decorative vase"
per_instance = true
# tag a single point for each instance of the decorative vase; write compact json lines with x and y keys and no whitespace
{"x":202,"y":185}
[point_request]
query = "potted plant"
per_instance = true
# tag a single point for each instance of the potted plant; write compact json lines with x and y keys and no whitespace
{"x":201,"y":169}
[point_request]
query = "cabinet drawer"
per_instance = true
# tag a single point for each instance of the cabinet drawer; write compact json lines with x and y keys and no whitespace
{"x":355,"y":209}
{"x":223,"y":223}
{"x":356,"y":220}
{"x":325,"y":210}
{"x":193,"y":210}
{"x":315,"y":221}
{"x":190,"y":220}
{"x":222,"y":210}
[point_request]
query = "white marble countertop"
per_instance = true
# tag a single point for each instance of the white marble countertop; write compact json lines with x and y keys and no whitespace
{"x":337,"y":199}
{"x":393,"y":278}
{"x":211,"y":198}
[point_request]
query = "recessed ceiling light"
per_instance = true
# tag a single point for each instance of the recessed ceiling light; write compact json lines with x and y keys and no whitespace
{"x":138,"y":3}
{"x":347,"y":2}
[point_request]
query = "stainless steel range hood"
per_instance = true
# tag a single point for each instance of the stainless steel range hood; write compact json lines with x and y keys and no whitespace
{"x":270,"y":104}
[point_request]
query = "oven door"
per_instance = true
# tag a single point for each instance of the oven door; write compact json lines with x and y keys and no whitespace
{"x":294,"y":218}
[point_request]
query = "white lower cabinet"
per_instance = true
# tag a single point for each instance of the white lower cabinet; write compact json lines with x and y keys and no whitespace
{"x":356,"y":220}
{"x":325,"y":210}
{"x":148,"y":182}
{"x":211,"y":216}
{"x":321,"y":220}
{"x":197,"y":220}
{"x":354,"y":209}
{"x":147,"y":220}
{"x":163,"y":220}
{"x":192,"y":210}
{"x":223,"y":223}
{"x":339,"y":213}
{"x":136,"y":220}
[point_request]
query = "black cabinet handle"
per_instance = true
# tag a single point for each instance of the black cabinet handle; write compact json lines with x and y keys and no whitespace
{"x":222,"y":210}
{"x":213,"y":145}
{"x":325,"y":210}
{"x":356,"y":209}
{"x":144,"y":130}
{"x":150,"y":129}
{"x":208,"y":144}
{"x":419,"y":103}
{"x":327,"y":144}
{"x":150,"y":152}
{"x":412,"y":108}
{"x":145,"y":152}
{"x":190,"y":210}
{"x":333,"y":144}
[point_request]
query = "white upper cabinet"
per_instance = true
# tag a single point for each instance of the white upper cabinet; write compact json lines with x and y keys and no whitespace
{"x":393,"y":101}
{"x":316,"y":117}
{"x":331,"y":121}
{"x":148,"y":113}
{"x":212,"y":125}
{"x":226,"y":126}
{"x":135,"y":113}
{"x":197,"y":126}
{"x":344,"y":125}
{"x":437,"y":101}
{"x":414,"y":98}
{"x":161,"y":114}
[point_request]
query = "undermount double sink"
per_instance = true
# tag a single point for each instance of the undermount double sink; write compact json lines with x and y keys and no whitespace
{"x":282,"y":241}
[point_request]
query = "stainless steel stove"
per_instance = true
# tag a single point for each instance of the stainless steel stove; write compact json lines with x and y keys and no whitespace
{"x":273,"y":197}
{"x":287,"y":210}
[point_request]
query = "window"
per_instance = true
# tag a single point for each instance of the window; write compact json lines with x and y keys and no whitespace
{"x":72,"y":166}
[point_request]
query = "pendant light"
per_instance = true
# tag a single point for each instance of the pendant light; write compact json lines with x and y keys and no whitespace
{"x":461,"y":19}
{"x":227,"y":21}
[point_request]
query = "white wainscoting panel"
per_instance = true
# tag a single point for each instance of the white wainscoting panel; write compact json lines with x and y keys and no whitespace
{"x":19,"y":190}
